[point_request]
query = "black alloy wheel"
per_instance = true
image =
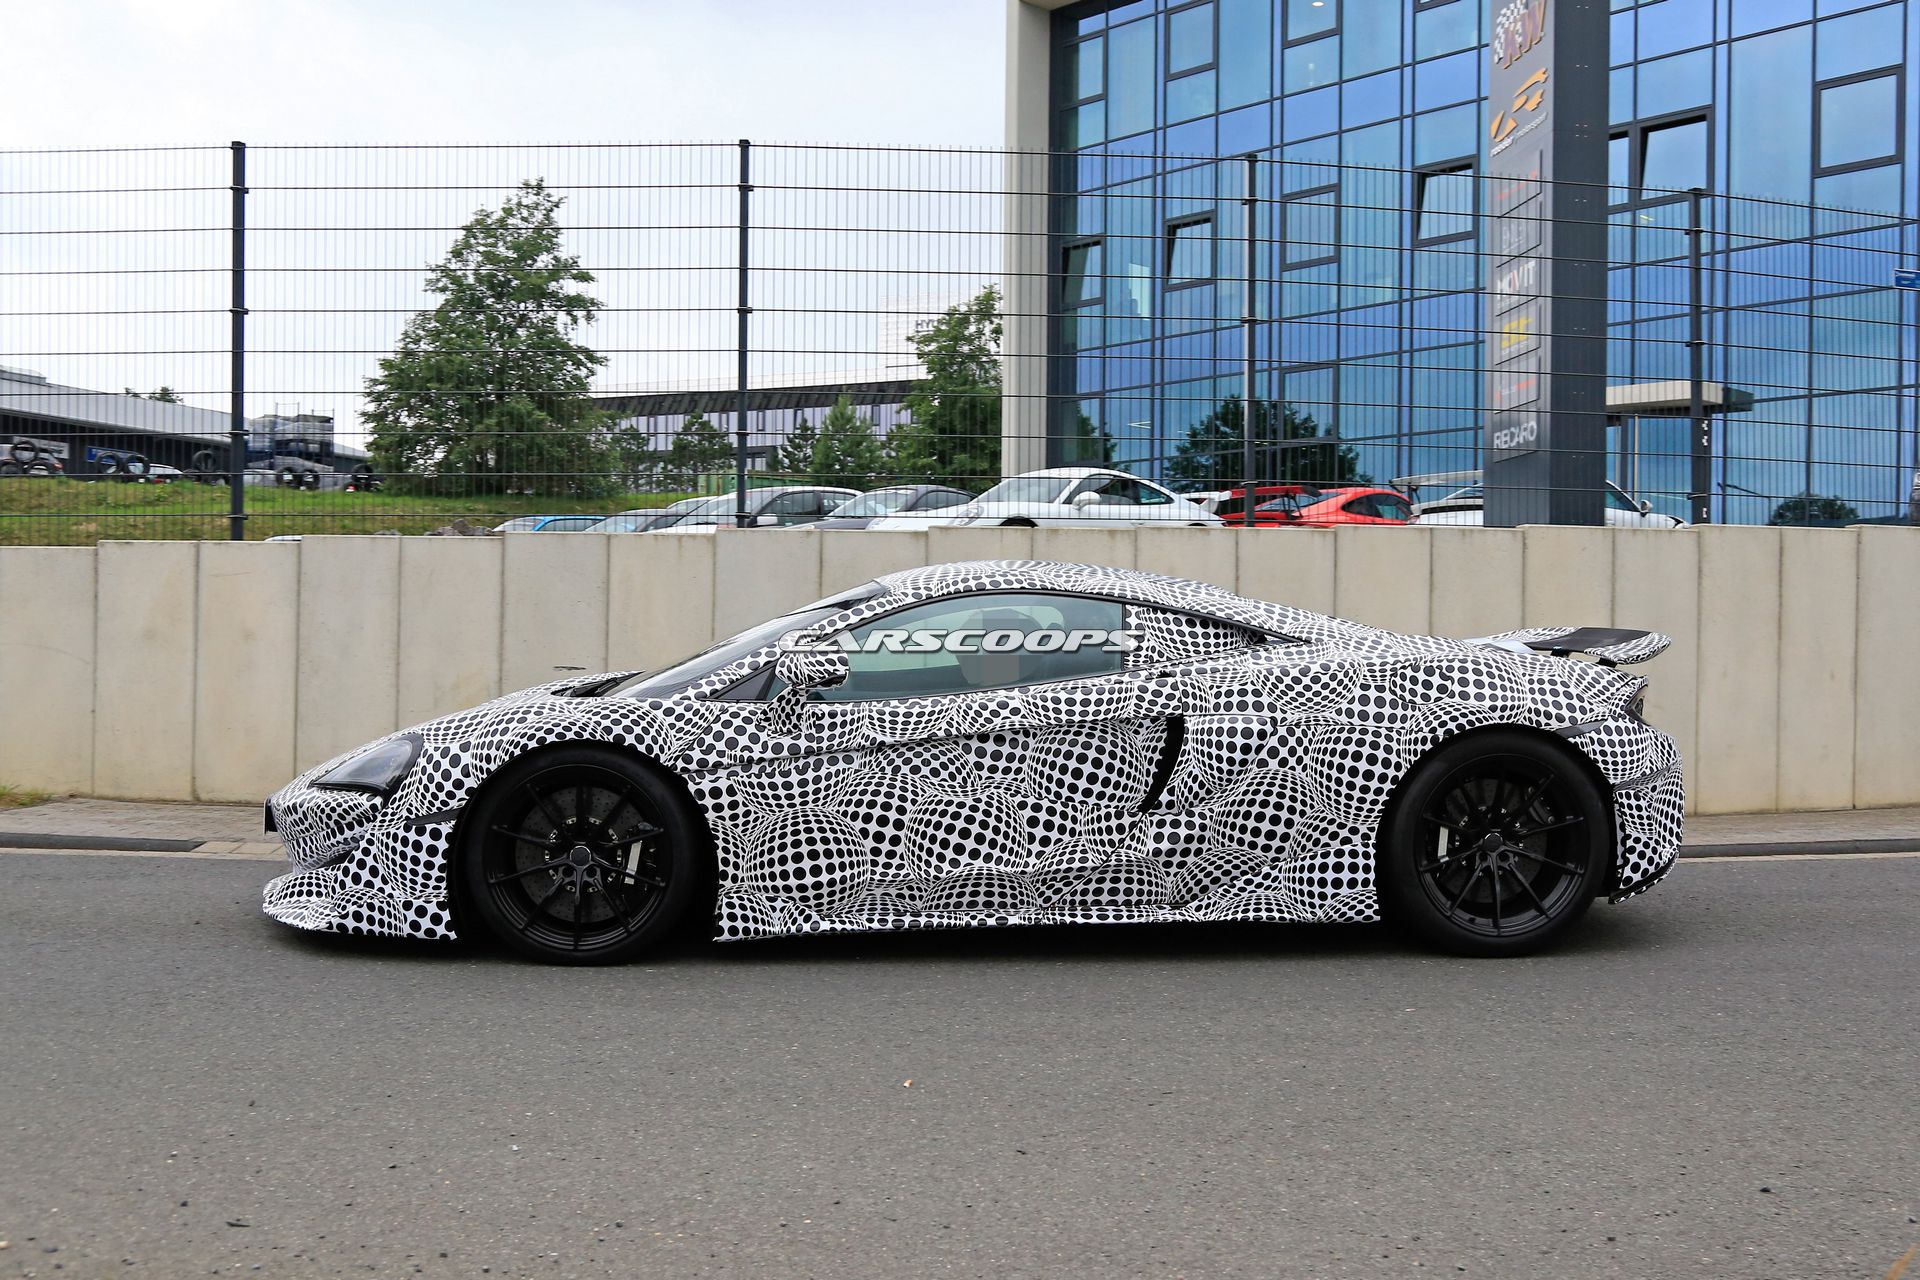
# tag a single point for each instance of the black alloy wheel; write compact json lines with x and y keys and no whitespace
{"x":579,"y":855}
{"x":1497,"y":844}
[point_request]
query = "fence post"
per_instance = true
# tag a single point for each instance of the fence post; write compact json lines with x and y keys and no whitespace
{"x":1699,"y":428}
{"x":237,"y":430}
{"x":1251,"y":202}
{"x":740,"y":386}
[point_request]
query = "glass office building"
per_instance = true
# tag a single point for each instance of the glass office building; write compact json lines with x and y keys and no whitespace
{"x":1369,"y":120}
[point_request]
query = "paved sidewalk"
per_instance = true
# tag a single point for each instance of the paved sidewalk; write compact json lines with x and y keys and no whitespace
{"x":235,"y":830}
{"x":206,"y":830}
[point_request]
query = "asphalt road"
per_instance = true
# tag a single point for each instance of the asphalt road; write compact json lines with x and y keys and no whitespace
{"x":1717,"y":1079}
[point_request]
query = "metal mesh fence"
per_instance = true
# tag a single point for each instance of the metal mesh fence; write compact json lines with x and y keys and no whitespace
{"x":269,"y":341}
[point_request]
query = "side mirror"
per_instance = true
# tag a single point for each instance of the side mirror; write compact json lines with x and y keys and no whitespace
{"x":806,"y":669}
{"x":1646,"y":506}
{"x":1084,"y":500}
{"x":762,"y":522}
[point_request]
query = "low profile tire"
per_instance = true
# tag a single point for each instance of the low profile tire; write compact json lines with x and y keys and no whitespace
{"x":579,"y":855}
{"x":24,"y":451}
{"x":288,"y":478}
{"x":1495,"y":845}
{"x":8,"y":467}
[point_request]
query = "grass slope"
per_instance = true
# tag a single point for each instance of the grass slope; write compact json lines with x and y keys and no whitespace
{"x":62,"y":512}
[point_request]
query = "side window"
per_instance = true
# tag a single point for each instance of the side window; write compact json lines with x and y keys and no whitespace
{"x":1121,"y":491}
{"x":789,"y":507}
{"x":1392,"y":508}
{"x":1363,"y":506}
{"x":981,"y":642}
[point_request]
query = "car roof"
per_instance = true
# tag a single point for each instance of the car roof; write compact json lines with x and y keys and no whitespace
{"x":1073,"y":473}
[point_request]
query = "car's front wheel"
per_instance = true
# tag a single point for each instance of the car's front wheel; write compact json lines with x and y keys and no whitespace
{"x":579,"y":855}
{"x":1496,"y":844}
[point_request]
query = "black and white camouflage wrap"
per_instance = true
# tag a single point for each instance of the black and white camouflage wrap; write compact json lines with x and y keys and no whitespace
{"x":1029,"y":805}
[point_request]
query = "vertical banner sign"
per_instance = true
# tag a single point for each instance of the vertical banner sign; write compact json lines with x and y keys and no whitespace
{"x":1544,"y":241}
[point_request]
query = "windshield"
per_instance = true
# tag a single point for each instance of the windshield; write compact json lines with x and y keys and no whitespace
{"x":671,"y":680}
{"x":878,"y":503}
{"x":626,"y":523}
{"x":1028,"y":489}
{"x":519,"y":524}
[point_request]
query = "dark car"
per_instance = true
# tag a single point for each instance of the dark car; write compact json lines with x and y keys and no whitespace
{"x":895,"y":499}
{"x":769,"y":508}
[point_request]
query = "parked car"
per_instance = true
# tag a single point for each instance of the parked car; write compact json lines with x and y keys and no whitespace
{"x":894,"y":499}
{"x":769,"y":508}
{"x":1271,"y":502}
{"x":547,"y":524}
{"x":642,"y":519}
{"x":1355,"y":506}
{"x":1065,"y":496}
{"x":1058,"y":755}
{"x":1464,"y":502}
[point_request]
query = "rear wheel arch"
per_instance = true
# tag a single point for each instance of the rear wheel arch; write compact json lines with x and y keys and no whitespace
{"x":1547,"y":737}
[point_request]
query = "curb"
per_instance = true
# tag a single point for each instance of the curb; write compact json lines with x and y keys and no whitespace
{"x":1907,"y":844}
{"x":128,"y":844}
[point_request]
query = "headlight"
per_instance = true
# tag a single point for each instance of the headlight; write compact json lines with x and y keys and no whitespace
{"x":378,"y":769}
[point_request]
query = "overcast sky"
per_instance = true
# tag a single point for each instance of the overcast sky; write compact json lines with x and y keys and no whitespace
{"x":277,"y":73}
{"x":127,"y":72}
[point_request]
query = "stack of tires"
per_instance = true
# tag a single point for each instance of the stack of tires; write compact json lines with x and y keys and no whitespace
{"x":129,"y":466}
{"x":26,"y":458}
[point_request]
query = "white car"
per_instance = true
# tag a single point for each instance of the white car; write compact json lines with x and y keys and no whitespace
{"x":1080,"y":496}
{"x":1465,"y":503}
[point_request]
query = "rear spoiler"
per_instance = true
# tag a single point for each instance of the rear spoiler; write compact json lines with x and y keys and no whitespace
{"x":1610,"y":645}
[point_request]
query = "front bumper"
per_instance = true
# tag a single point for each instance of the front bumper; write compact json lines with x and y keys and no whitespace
{"x":358,"y":868}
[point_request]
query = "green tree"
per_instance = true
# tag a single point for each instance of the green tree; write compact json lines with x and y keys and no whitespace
{"x":700,"y":449}
{"x":487,"y":391}
{"x":1812,"y":508}
{"x":794,"y":456}
{"x":953,"y":431}
{"x":846,"y":453}
{"x":165,"y":394}
{"x":1213,"y":452}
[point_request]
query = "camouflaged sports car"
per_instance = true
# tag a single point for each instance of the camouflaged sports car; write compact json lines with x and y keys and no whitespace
{"x":1002,"y":743}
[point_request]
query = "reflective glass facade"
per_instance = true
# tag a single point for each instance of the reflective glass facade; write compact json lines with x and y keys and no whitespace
{"x":1368,"y":121}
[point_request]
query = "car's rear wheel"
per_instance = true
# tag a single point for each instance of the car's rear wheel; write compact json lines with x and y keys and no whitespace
{"x":579,"y":855}
{"x":1496,"y":845}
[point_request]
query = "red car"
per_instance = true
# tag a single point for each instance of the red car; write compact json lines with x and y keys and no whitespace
{"x":1356,"y":506}
{"x":1272,"y":502}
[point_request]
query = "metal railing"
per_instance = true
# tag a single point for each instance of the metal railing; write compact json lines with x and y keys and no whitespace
{"x":233,"y":341}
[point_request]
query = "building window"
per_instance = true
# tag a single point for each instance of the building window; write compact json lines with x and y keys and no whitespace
{"x":1856,"y":122}
{"x":1190,"y":251}
{"x":1673,"y":157}
{"x":1311,"y":19}
{"x":1656,"y":161}
{"x":1309,"y":227}
{"x":1082,"y":274}
{"x":1190,"y":40}
{"x":1444,"y":199}
{"x":1089,"y":68}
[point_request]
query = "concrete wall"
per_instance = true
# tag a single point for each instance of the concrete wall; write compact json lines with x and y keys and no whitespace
{"x":215,"y":670}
